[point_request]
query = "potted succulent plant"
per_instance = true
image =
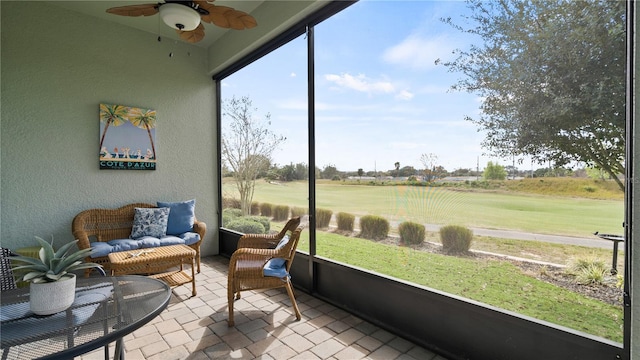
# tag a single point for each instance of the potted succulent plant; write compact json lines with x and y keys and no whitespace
{"x":51,"y":280}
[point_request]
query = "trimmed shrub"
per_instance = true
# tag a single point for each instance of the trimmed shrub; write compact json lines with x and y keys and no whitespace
{"x":299,"y":211}
{"x":266,"y":209}
{"x":228,"y":202}
{"x":255,"y":208}
{"x":266,"y":223}
{"x":323,"y":217}
{"x":345,"y":221}
{"x":229,"y":214}
{"x":411,"y":233}
{"x":455,"y":239}
{"x":227,"y":218}
{"x":245,"y":226}
{"x":374,"y":227}
{"x":280,"y":212}
{"x":235,"y":212}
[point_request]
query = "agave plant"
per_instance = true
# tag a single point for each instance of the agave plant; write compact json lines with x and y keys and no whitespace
{"x":53,"y":265}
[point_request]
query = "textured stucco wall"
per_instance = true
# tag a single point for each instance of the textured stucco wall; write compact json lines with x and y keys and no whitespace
{"x":57,"y":67}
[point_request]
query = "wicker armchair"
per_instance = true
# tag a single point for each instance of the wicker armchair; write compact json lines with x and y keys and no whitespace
{"x":248,"y":261}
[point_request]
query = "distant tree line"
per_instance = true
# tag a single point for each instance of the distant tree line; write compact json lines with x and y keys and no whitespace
{"x":492,"y":171}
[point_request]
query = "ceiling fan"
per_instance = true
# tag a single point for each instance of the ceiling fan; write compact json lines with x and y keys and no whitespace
{"x":186,"y":16}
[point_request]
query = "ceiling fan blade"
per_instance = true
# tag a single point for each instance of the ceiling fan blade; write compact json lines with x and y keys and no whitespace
{"x":135,"y":10}
{"x":227,"y":17}
{"x":240,"y":20}
{"x":192,"y":36}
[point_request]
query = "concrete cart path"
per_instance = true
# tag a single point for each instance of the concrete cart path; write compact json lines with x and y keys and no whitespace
{"x":592,"y":241}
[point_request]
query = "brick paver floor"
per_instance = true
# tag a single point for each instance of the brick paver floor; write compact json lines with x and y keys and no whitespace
{"x":196,"y":328}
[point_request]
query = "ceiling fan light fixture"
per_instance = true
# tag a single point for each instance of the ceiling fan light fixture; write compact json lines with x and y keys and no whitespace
{"x":179,"y":17}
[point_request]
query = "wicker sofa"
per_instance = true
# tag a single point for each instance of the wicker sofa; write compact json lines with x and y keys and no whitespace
{"x":109,"y":230}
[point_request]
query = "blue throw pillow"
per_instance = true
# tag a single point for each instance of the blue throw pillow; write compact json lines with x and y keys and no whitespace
{"x":278,"y":262}
{"x":150,"y":222}
{"x":181,"y":217}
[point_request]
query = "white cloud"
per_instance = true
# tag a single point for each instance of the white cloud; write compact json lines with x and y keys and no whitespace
{"x":293,"y":74}
{"x":419,"y":53}
{"x":361,"y":83}
{"x":404,"y":95}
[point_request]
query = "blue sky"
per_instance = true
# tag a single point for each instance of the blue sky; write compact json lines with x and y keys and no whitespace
{"x":379,"y":96}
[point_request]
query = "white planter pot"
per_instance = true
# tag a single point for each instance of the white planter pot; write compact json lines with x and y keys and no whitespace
{"x":50,"y":298}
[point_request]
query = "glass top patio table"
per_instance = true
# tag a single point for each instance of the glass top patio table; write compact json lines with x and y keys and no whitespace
{"x":105,"y":310}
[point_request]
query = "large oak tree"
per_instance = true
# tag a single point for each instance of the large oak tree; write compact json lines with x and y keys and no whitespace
{"x":552,"y":78}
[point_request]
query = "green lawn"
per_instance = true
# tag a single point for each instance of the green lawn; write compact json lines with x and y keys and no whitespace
{"x":492,"y":210}
{"x":496,"y":283}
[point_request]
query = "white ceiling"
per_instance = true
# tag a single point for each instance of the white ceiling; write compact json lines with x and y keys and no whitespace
{"x":153,"y":24}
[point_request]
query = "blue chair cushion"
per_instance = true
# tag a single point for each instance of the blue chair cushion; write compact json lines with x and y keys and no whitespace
{"x":279,"y":272}
{"x":150,"y":222}
{"x":150,"y":242}
{"x":275,"y":266}
{"x":181,"y":217}
{"x":124,"y":244}
{"x":189,"y":237}
{"x":100,"y":249}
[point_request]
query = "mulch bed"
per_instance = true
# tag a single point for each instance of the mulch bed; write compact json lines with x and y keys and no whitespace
{"x":607,"y":292}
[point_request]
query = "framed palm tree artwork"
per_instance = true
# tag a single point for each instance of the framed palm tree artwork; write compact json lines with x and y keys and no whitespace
{"x":127,"y":138}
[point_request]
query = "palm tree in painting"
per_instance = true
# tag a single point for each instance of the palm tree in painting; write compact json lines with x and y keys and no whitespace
{"x":144,"y":119}
{"x":112,"y":115}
